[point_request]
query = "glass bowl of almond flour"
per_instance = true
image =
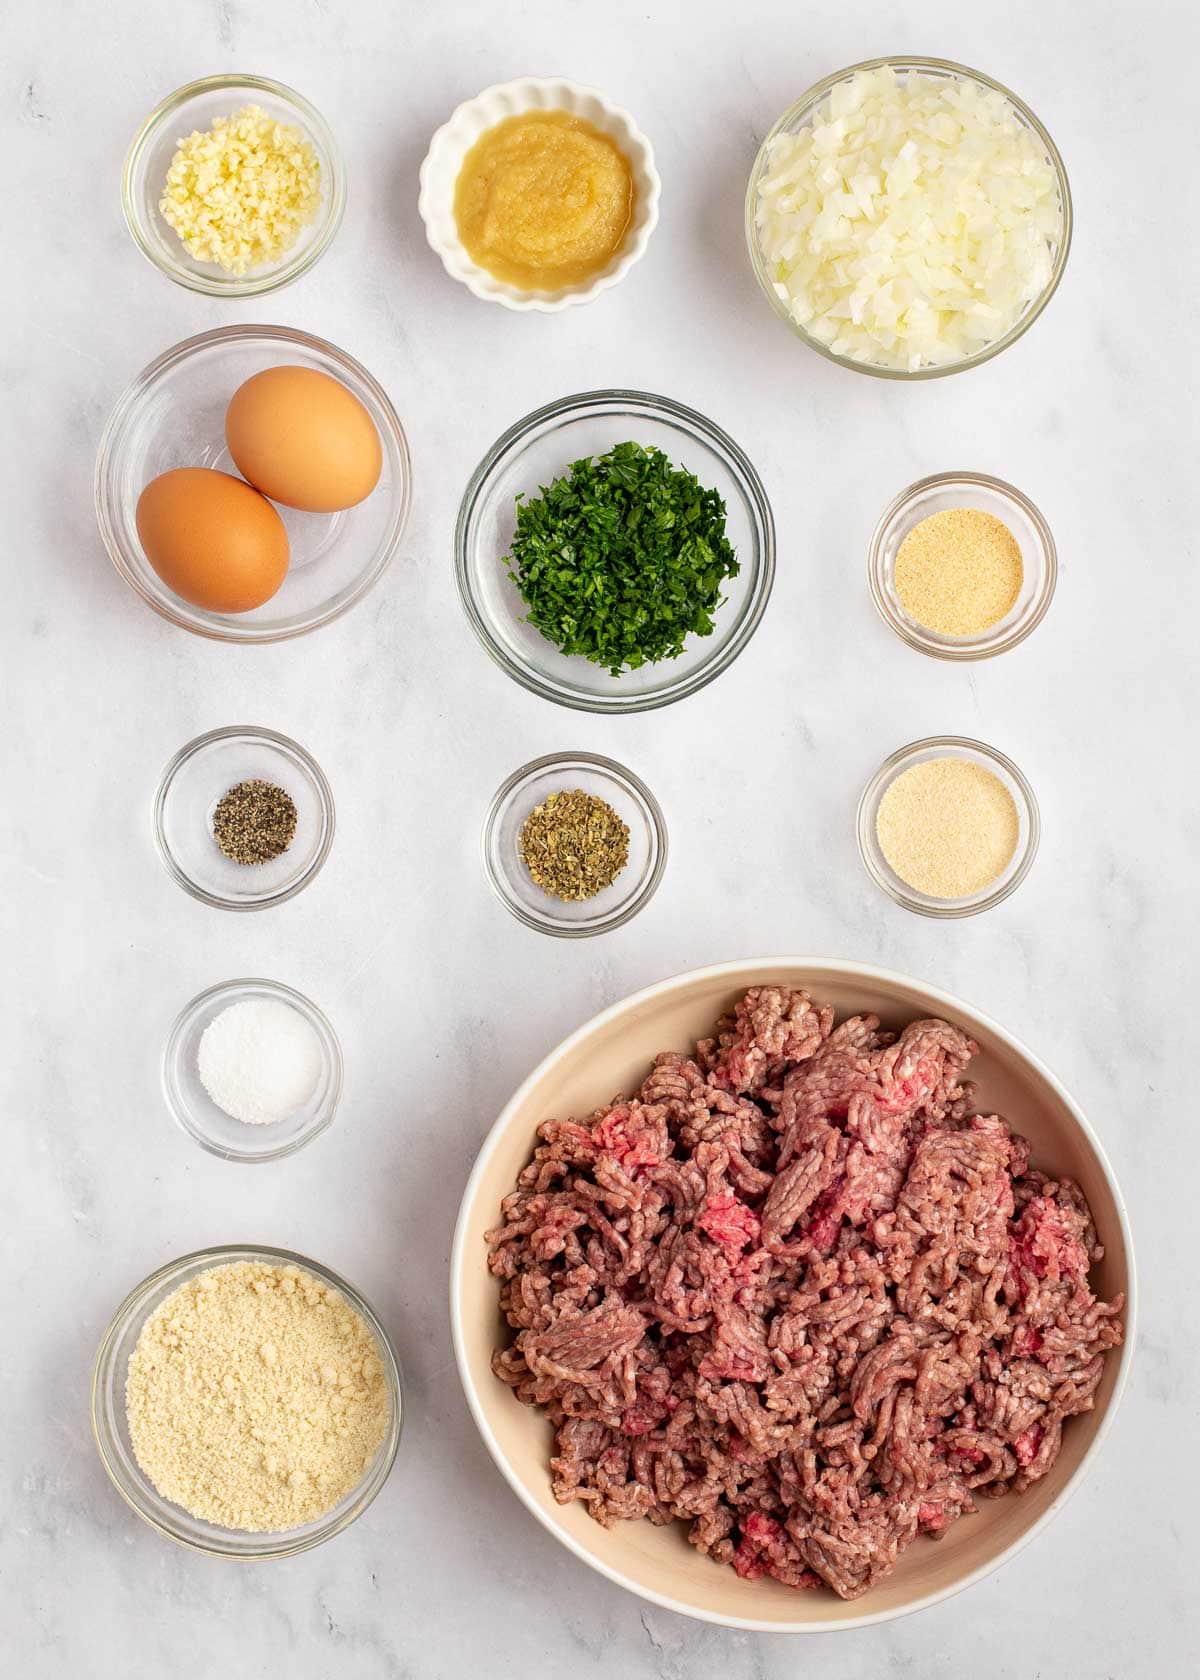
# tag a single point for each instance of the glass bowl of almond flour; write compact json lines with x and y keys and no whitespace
{"x":133,"y":1372}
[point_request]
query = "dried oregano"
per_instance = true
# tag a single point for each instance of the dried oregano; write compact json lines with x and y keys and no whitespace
{"x":574,"y":845}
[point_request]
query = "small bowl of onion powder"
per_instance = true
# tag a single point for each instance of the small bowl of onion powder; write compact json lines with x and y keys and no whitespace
{"x":948,"y":827}
{"x":252,"y":1070}
{"x":962,"y":566}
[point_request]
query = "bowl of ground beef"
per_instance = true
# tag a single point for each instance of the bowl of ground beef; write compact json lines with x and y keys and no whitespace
{"x":792,"y":1295}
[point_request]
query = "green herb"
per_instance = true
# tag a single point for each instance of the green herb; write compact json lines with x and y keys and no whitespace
{"x":254,"y":822}
{"x":622,"y":558}
{"x":574,"y":845}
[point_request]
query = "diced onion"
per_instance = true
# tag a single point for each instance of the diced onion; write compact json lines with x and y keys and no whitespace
{"x":912,"y":222}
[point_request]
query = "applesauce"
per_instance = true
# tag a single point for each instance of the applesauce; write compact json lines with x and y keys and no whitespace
{"x":543,"y":200}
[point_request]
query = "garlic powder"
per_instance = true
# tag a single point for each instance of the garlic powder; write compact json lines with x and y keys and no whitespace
{"x":241,"y":193}
{"x":959,"y":571}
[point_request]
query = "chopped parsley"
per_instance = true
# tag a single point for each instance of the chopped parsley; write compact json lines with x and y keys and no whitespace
{"x":622,"y":558}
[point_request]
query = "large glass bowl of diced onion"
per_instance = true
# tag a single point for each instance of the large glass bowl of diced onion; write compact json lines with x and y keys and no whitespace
{"x":840,"y":313}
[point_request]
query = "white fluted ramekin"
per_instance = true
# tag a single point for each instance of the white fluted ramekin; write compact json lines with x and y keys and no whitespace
{"x":453,"y":141}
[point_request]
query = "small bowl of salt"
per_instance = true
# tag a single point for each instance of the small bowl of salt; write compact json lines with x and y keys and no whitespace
{"x":252,"y":1070}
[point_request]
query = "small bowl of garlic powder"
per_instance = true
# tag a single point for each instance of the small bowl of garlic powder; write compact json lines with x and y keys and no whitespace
{"x":252,"y":1070}
{"x":233,"y":186}
{"x":962,"y":566}
{"x":948,"y":827}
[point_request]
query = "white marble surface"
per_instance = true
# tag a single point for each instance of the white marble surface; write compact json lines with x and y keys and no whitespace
{"x":443,"y":1001}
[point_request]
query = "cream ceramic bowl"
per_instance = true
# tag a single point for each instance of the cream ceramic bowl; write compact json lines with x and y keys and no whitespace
{"x":612,"y":1053}
{"x":453,"y":141}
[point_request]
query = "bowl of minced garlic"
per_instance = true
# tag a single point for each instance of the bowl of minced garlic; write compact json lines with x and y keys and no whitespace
{"x":246,"y":1402}
{"x":233,"y":186}
{"x":948,"y":826}
{"x":962,"y":566}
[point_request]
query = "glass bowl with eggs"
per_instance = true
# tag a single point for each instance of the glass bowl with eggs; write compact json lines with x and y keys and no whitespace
{"x":253,"y":483}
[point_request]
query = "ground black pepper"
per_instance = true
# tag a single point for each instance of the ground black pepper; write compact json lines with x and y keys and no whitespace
{"x":254,"y":822}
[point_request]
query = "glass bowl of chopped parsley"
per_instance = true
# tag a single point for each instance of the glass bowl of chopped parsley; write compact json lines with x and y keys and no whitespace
{"x":615,"y":551}
{"x":574,"y":844}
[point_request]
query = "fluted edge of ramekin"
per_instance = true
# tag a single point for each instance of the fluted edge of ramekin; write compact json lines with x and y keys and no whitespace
{"x":474,"y":117}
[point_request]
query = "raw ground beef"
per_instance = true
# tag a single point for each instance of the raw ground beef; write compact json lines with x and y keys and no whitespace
{"x":799,"y":1295}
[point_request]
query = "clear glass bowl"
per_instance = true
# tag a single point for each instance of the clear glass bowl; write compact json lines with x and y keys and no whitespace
{"x":213,"y":1129}
{"x":539,"y":449}
{"x":173,"y":415}
{"x":149,"y":157}
{"x":990,"y":495}
{"x":801,"y":113}
{"x":629,"y":797}
{"x":1028,"y":833}
{"x":111,"y":1429}
{"x":199,"y":776}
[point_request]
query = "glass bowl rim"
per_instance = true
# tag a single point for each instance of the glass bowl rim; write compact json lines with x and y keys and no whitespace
{"x":791,"y":118}
{"x":642,"y":795}
{"x":181,"y":352}
{"x":324,"y":794}
{"x":963,"y":648}
{"x":295,"y":1000}
{"x":377,"y":1472}
{"x":736,"y":461}
{"x":246,"y":285}
{"x":868,"y":847}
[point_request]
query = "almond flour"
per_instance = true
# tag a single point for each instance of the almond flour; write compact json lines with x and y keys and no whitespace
{"x":256,"y":1397}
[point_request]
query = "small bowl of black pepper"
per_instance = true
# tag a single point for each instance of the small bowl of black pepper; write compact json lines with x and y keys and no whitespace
{"x":574,"y":844}
{"x":243,"y":818}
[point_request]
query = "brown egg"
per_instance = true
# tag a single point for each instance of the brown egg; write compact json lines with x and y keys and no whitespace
{"x":303,"y":439}
{"x":212,"y":539}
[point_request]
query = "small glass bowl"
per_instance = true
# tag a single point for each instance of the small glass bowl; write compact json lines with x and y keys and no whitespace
{"x":173,"y":415}
{"x":539,"y":449}
{"x":1028,"y":834}
{"x":110,"y":1426}
{"x":629,"y":797}
{"x":801,"y":113}
{"x":990,"y":495}
{"x":213,"y":1129}
{"x":199,"y":776}
{"x":149,"y":157}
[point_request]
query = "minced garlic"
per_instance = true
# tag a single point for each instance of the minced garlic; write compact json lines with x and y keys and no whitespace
{"x":256,"y":1397}
{"x":241,"y":193}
